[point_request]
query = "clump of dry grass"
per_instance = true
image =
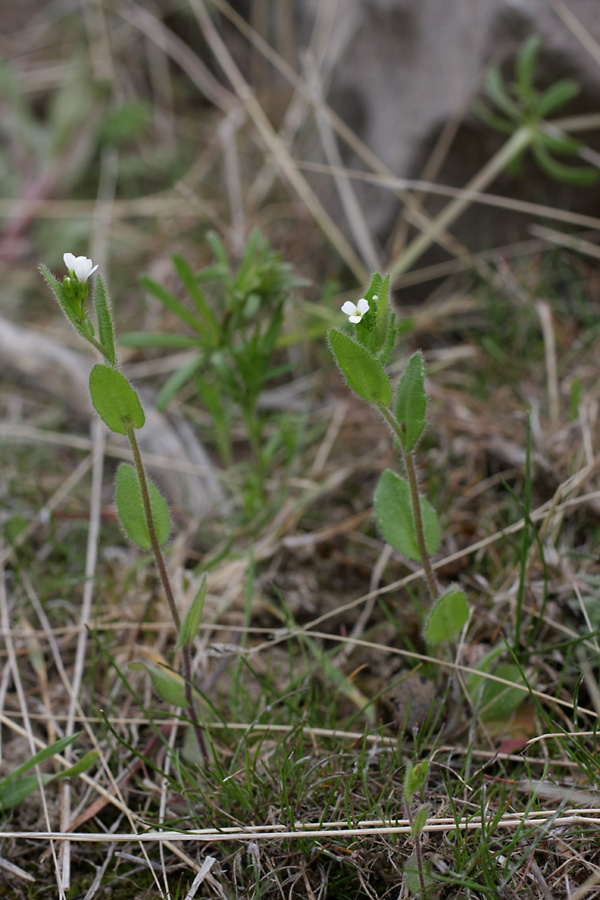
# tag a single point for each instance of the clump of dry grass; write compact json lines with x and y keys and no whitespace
{"x":310,"y":622}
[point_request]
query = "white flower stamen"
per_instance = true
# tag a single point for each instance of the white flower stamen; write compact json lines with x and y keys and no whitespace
{"x":355,"y":311}
{"x":79,"y":266}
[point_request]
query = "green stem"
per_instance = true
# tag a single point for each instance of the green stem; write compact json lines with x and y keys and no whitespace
{"x":517,"y":143}
{"x":415,"y":499}
{"x":154,"y":544}
{"x":186,"y":656}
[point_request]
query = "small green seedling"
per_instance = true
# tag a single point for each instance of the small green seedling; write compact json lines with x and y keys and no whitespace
{"x":233,"y":320}
{"x":520,"y":106}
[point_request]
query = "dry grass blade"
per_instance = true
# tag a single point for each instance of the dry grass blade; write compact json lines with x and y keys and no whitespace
{"x":273,"y":142}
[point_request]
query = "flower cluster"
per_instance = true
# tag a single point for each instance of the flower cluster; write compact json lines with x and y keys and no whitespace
{"x":75,"y":283}
{"x":80,"y":267}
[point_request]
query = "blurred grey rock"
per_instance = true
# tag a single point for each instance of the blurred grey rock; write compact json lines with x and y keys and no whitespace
{"x":406,"y":68}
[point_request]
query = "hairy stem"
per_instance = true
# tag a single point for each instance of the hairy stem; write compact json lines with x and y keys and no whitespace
{"x":411,"y":471}
{"x":186,"y":656}
{"x":156,"y":551}
{"x":418,"y":854}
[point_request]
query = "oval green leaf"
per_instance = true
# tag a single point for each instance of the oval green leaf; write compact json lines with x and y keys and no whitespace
{"x":169,"y":686}
{"x":447,"y":618}
{"x":115,"y":400}
{"x":130,"y":507}
{"x":394,"y":516}
{"x":363,"y":373}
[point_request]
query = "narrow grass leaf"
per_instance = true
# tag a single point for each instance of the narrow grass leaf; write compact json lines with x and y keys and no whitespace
{"x":43,"y":755}
{"x":152,"y":339}
{"x":191,"y":285}
{"x":395,"y":518}
{"x":363,"y":373}
{"x":115,"y":400}
{"x":85,"y":763}
{"x":15,"y":792}
{"x":447,"y":618}
{"x":177,"y":380}
{"x":130,"y":506}
{"x":173,"y":305}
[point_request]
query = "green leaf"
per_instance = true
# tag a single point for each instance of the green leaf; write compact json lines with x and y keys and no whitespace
{"x":142,"y":339}
{"x":411,"y":401}
{"x":86,"y":762}
{"x":496,"y":91}
{"x":414,"y":779}
{"x":420,"y":820}
{"x":413,"y":878}
{"x":177,"y":380}
{"x":581,"y":177}
{"x":556,"y":96}
{"x":382,"y":291}
{"x":500,"y":701}
{"x":13,"y":789}
{"x":216,"y":245}
{"x":130,"y":507}
{"x":105,"y":326}
{"x":525,"y":67}
{"x":394,"y":516}
{"x":68,"y":306}
{"x":173,"y":305}
{"x":493,"y":121}
{"x":169,"y":686}
{"x":191,"y":284}
{"x":42,"y":756}
{"x":193,"y":617}
{"x":115,"y":400}
{"x":14,"y":793}
{"x":494,"y":700}
{"x":126,"y":122}
{"x":447,"y":618}
{"x":564,"y":145}
{"x":363,"y":373}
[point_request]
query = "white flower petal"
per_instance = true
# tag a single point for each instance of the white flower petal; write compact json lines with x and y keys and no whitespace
{"x":349,"y":308}
{"x":362,"y":306}
{"x":355,"y":319}
{"x":81,"y":266}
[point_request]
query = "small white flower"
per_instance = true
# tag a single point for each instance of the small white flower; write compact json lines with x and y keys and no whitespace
{"x":355,"y":311}
{"x":80,"y":266}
